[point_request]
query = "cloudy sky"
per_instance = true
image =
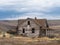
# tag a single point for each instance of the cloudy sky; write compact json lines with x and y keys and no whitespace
{"x":17,"y":9}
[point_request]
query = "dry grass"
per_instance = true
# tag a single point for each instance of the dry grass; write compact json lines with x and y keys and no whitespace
{"x":28,"y":41}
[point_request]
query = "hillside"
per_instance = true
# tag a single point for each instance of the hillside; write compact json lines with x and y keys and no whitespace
{"x":54,"y":22}
{"x":8,"y":25}
{"x":11,"y":24}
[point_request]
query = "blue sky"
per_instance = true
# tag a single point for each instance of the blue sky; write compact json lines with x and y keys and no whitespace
{"x":18,"y":9}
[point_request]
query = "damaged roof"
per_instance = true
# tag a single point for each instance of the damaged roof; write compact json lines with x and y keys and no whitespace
{"x":40,"y":22}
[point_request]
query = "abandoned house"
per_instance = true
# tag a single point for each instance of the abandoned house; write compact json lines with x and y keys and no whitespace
{"x":32,"y":27}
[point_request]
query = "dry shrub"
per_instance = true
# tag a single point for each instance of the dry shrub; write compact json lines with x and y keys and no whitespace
{"x":27,"y":41}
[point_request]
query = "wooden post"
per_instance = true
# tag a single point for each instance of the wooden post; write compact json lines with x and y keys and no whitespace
{"x":46,"y":32}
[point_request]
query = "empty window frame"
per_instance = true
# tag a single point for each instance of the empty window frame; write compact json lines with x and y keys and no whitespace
{"x":23,"y":30}
{"x":28,"y":22}
{"x":33,"y":30}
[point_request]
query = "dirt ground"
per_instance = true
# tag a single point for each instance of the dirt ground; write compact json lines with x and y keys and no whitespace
{"x":28,"y":41}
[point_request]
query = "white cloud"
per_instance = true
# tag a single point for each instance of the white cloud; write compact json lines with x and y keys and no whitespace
{"x":31,"y":7}
{"x":32,"y":16}
{"x":30,"y":3}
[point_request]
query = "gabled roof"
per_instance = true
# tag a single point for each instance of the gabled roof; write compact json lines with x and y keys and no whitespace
{"x":41,"y":22}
